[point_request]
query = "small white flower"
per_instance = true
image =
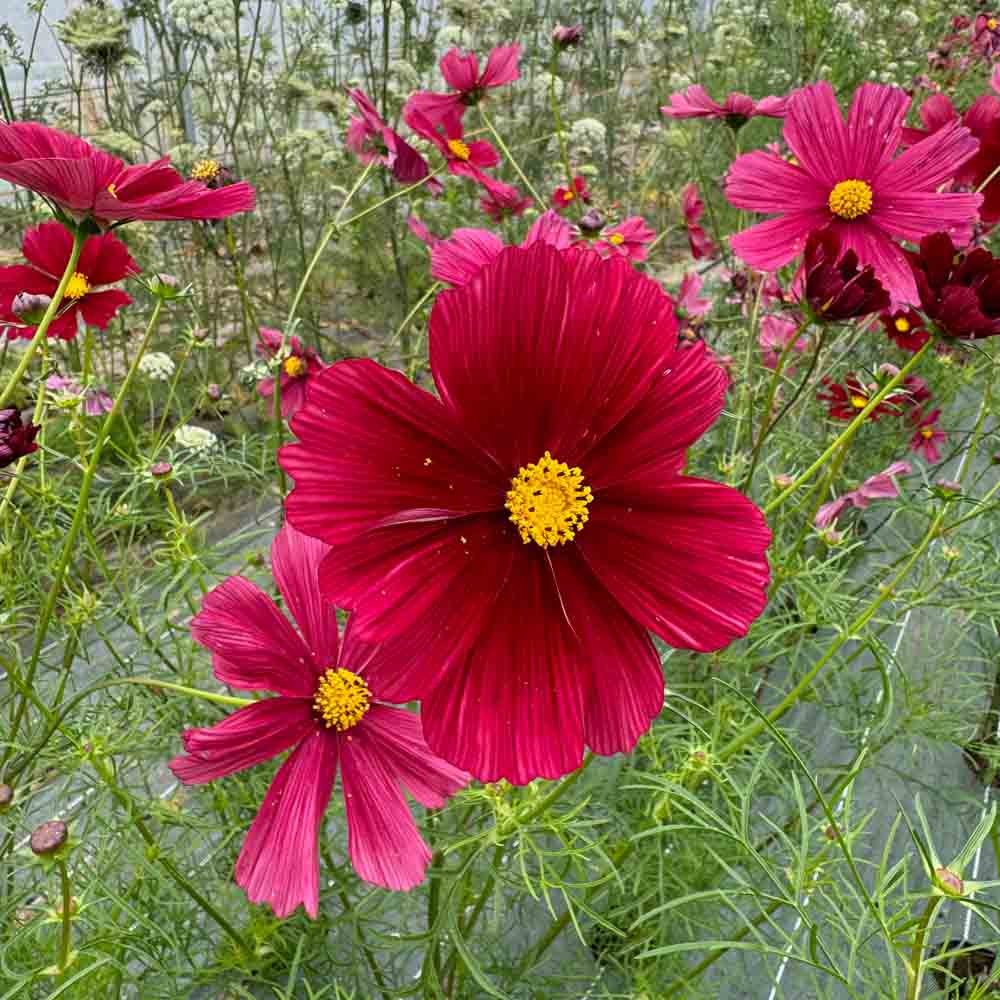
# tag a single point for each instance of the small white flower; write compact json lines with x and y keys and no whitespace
{"x":908,"y":18}
{"x":157,"y":366}
{"x":195,"y":438}
{"x":587,"y":133}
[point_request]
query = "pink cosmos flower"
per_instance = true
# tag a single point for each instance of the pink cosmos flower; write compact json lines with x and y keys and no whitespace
{"x":459,"y":258}
{"x":94,"y":401}
{"x":927,"y":436}
{"x":370,"y":139}
{"x":86,"y":182}
{"x":736,"y":110}
{"x":513,"y":537}
{"x":694,"y":209}
{"x":420,"y":229}
{"x":464,"y":159}
{"x":847,"y":179}
{"x":330,"y":709}
{"x":469,"y":86}
{"x":691,"y":308}
{"x":775,"y":333}
{"x":629,"y":238}
{"x":882,"y":486}
{"x":502,"y":201}
{"x":563,"y":197}
{"x":104,"y":261}
{"x":301,"y":365}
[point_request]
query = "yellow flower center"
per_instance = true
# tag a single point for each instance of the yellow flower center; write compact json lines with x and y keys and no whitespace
{"x":859,"y":402}
{"x":205,"y":170}
{"x":992,"y":24}
{"x":112,"y":190}
{"x":77,"y":287}
{"x":902,"y":324}
{"x":294,"y":366}
{"x":458,"y":149}
{"x":548,"y":501}
{"x":568,"y":195}
{"x":927,"y":432}
{"x":851,"y":199}
{"x":616,"y":239}
{"x":342,"y":699}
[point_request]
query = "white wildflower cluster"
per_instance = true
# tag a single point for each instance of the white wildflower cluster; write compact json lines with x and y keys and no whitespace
{"x":210,"y":19}
{"x":251,"y":374}
{"x":909,"y":19}
{"x":541,"y":88}
{"x":587,"y":135}
{"x":849,"y":17}
{"x":156,"y":366}
{"x":195,"y":438}
{"x":302,"y":145}
{"x":623,"y":37}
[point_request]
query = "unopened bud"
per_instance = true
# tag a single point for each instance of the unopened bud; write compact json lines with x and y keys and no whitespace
{"x":165,"y":286}
{"x":948,"y":487}
{"x":49,"y":837}
{"x":948,"y":882}
{"x":213,"y":391}
{"x":591,"y":223}
{"x":6,"y":796}
{"x":782,"y":480}
{"x":160,"y":470}
{"x":567,"y":37}
{"x":30,"y":308}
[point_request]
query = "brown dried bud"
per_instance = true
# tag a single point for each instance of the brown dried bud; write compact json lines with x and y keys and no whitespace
{"x":49,"y":837}
{"x":6,"y":796}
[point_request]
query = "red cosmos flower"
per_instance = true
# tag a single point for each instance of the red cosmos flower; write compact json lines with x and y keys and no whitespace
{"x":694,"y":209}
{"x":502,"y":201}
{"x":847,"y":179}
{"x":104,"y":260}
{"x":469,"y":86}
{"x":563,"y":197}
{"x":329,"y":708}
{"x":301,"y":365}
{"x":628,"y":239}
{"x":86,"y":182}
{"x":513,"y":538}
{"x":736,"y":110}
{"x":927,"y":437}
{"x":16,"y":438}
{"x":906,"y":329}
{"x":833,"y":285}
{"x":848,"y":400}
{"x":960,"y":293}
{"x":369,"y":138}
{"x":465,"y":159}
{"x":982,"y":119}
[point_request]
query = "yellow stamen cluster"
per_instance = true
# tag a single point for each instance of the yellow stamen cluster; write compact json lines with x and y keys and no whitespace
{"x":342,"y":699}
{"x":902,"y":324}
{"x":568,"y":195}
{"x":205,"y":170}
{"x":112,"y":190}
{"x":459,"y":149}
{"x":859,"y":402}
{"x":851,"y":199}
{"x":992,"y":24}
{"x":295,"y":367}
{"x":616,"y":239}
{"x":927,"y":433}
{"x":548,"y":502}
{"x":77,"y":287}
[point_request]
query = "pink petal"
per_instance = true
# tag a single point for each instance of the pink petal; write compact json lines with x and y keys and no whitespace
{"x":105,"y":260}
{"x":816,"y":134}
{"x":295,"y":560}
{"x":875,"y":247}
{"x":47,"y":247}
{"x":459,"y":258}
{"x":686,"y":559}
{"x":551,"y":228}
{"x":460,"y":72}
{"x":773,"y":243}
{"x":926,"y":165}
{"x":249,"y":736}
{"x":254,"y":647}
{"x":763,"y":182}
{"x":279,"y":863}
{"x":915,"y":214}
{"x":829,"y":512}
{"x":501,"y":66}
{"x":874,"y":125}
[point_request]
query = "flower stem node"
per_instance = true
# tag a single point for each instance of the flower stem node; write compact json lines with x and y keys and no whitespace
{"x":166,"y":287}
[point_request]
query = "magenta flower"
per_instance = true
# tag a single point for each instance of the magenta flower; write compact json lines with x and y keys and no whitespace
{"x":927,"y":436}
{"x":370,"y":139}
{"x":848,"y":180}
{"x":328,"y":708}
{"x":629,"y":238}
{"x":300,"y":365}
{"x":502,"y":201}
{"x":689,"y":305}
{"x":94,"y":401}
{"x":464,"y":159}
{"x":694,"y":208}
{"x":468,"y":84}
{"x":736,"y":110}
{"x":882,"y":486}
{"x":775,"y":333}
{"x":563,"y":197}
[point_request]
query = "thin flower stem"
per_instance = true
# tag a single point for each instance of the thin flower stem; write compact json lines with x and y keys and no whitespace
{"x":915,"y":968}
{"x":517,"y":166}
{"x":50,"y":314}
{"x":79,"y":517}
{"x":153,"y":683}
{"x":67,"y":917}
{"x":845,"y":437}
{"x":413,"y":312}
{"x":557,"y":118}
{"x":746,"y":410}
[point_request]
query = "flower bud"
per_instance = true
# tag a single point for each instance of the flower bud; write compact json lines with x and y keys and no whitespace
{"x":165,"y":286}
{"x":160,"y":470}
{"x":49,"y":838}
{"x":564,"y":37}
{"x":213,"y":391}
{"x":6,"y":796}
{"x":591,"y":223}
{"x":948,"y":882}
{"x":30,"y":308}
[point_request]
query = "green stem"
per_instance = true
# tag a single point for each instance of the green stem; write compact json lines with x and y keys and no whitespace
{"x":67,"y":916}
{"x":845,"y":437}
{"x":506,"y":152}
{"x":557,"y":119}
{"x":50,"y":314}
{"x":915,"y":970}
{"x":221,"y":699}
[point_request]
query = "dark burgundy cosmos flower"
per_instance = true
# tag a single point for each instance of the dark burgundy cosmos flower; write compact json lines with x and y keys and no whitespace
{"x":563,"y":197}
{"x":848,"y":400}
{"x":927,"y":436}
{"x":464,"y":159}
{"x":87,"y":182}
{"x":329,"y":708}
{"x":104,"y":261}
{"x":959,"y":293}
{"x":694,"y":208}
{"x":370,"y":139}
{"x":469,"y":86}
{"x":16,"y":438}
{"x":502,"y":201}
{"x":982,"y":119}
{"x":301,"y":365}
{"x":833,"y":285}
{"x":735,"y":111}
{"x":513,"y":539}
{"x":906,"y":329}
